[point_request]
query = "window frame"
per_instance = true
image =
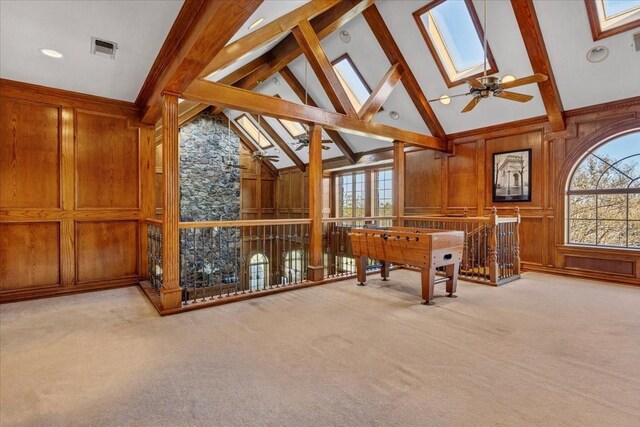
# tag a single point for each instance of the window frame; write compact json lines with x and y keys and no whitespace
{"x":265,"y":264}
{"x":248,"y":135}
{"x":346,"y":57}
{"x":376,"y":191}
{"x":338,"y":194}
{"x":492,"y":67}
{"x":281,"y":122}
{"x":599,"y":192}
{"x":597,"y":31}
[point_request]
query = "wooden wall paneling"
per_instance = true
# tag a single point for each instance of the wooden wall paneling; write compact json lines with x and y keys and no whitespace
{"x":147,"y":190}
{"x":249,"y":193}
{"x":68,"y":184}
{"x":532,"y":239}
{"x":29,"y":256}
{"x":481,"y":165}
{"x":423,"y":182}
{"x":106,"y":162}
{"x":29,"y":154}
{"x":106,"y":250}
{"x":461,"y":175}
{"x":267,"y":194}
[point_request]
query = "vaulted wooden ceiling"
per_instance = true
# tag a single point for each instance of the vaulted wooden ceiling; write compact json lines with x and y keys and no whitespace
{"x":388,"y":50}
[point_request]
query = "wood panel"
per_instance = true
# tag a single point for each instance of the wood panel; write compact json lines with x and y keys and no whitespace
{"x":106,"y":162}
{"x":612,"y":266}
{"x":424,"y":189}
{"x":267,"y":194}
{"x":106,"y":250}
{"x":29,"y":155}
{"x":248,"y":194}
{"x":461,"y":177}
{"x":29,"y":256}
{"x":532,"y":240}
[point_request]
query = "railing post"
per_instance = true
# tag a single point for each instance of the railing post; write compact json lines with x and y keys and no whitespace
{"x":398,"y":182}
{"x":170,"y":293}
{"x":516,"y":241}
{"x":315,"y":271}
{"x":493,"y":247}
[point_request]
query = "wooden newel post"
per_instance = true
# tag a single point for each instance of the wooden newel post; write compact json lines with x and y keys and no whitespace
{"x":398,"y":182}
{"x":493,"y":247}
{"x":170,"y":293}
{"x":516,"y":244}
{"x":315,"y":272}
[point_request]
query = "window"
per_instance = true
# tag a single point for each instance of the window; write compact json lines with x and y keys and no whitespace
{"x":610,"y":17}
{"x":352,"y":81}
{"x":293,"y":264}
{"x":603,"y":198}
{"x":294,"y":129}
{"x":256,"y":135}
{"x":454,"y":35}
{"x":351,"y":195}
{"x":383,"y":181}
{"x":258,"y":271}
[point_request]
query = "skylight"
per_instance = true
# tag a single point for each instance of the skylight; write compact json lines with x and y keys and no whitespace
{"x":609,"y":17}
{"x":454,"y":36}
{"x":256,"y":135}
{"x":352,"y":81}
{"x":294,"y":129}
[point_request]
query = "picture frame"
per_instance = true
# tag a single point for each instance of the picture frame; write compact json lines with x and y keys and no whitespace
{"x":511,"y":176}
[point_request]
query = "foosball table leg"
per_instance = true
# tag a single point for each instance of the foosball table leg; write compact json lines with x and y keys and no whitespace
{"x":428,"y":277}
{"x":361,"y":269}
{"x":384,"y":272}
{"x":452,"y":282}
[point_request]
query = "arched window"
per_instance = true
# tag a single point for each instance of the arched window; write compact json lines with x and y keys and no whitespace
{"x":258,"y":271}
{"x":603,"y":196}
{"x":293,"y":266}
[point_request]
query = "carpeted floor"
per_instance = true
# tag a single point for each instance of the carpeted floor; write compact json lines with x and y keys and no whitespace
{"x":544,"y":350}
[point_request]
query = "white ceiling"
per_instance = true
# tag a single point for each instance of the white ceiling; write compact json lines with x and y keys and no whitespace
{"x":141,"y":26}
{"x":138,"y":26}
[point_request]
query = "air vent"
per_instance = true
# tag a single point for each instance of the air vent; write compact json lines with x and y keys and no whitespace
{"x":636,"y":41}
{"x":103,"y":48}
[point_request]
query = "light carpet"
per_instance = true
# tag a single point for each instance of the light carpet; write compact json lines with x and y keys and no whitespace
{"x":544,"y":350}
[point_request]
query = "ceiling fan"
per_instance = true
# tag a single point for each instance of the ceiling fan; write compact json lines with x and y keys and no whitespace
{"x":261,"y":155}
{"x":486,"y":86}
{"x":229,"y":163}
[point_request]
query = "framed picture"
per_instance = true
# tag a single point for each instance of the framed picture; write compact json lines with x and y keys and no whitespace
{"x":512,"y":176}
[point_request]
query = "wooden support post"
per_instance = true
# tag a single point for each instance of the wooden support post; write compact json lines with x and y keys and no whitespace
{"x":516,"y":244}
{"x":315,"y":271}
{"x":398,"y":182}
{"x":493,"y":247}
{"x":170,"y":293}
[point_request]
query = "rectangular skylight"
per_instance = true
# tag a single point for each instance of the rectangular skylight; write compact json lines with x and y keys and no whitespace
{"x":352,"y":81}
{"x":252,"y":131}
{"x":610,"y":17}
{"x":454,"y":36}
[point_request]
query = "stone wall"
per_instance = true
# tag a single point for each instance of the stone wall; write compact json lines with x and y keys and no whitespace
{"x":208,"y":190}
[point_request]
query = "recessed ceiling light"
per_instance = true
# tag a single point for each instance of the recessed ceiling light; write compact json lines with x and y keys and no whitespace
{"x":597,"y":54}
{"x":52,"y":53}
{"x":275,"y":81}
{"x":255,"y":24}
{"x":507,"y":78}
{"x":394,"y":115}
{"x":345,"y":36}
{"x":445,"y":100}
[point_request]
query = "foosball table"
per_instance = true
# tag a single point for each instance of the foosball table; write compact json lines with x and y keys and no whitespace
{"x":424,"y":248}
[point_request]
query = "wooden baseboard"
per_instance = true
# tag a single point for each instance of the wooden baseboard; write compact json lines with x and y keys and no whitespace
{"x":581,"y":274}
{"x":59,"y":291}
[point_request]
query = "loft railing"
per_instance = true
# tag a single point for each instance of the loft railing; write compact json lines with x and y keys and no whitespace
{"x":491,"y":252}
{"x":221,"y":259}
{"x":336,"y":243}
{"x":154,"y":254}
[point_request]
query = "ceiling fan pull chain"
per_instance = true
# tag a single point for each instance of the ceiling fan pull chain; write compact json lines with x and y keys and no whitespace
{"x":486,"y":31}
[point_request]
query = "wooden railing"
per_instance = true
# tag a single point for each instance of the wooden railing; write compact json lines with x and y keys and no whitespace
{"x":492,"y":248}
{"x":227,"y":259}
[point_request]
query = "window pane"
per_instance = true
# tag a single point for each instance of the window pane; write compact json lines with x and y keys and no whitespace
{"x":350,"y":79}
{"x":582,"y":207}
{"x":588,"y":173}
{"x":634,"y":234}
{"x":582,"y":231}
{"x":616,"y":7}
{"x":295,"y":129}
{"x":634,"y":206}
{"x":254,"y":133}
{"x":612,"y":233}
{"x":612,"y":206}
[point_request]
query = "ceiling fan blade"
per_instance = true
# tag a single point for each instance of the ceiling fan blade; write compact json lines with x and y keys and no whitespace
{"x":513,"y":96}
{"x":324,"y":147}
{"x":327,"y":141}
{"x":274,"y":159}
{"x":535,"y":78}
{"x":475,"y":83}
{"x":300,"y":147}
{"x":472,"y":104}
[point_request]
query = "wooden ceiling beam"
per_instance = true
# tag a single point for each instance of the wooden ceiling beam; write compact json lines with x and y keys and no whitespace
{"x":321,"y":66}
{"x":300,"y":92}
{"x":391,"y":49}
{"x":254,"y":40}
{"x":284,"y":147}
{"x":380,"y":94}
{"x":534,"y":43}
{"x":186,"y":52}
{"x":244,"y":100}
